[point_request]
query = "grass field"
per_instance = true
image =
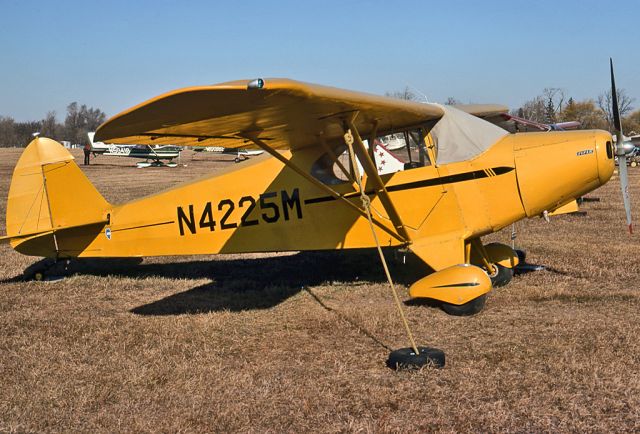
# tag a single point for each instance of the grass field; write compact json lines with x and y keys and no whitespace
{"x":298,"y":342}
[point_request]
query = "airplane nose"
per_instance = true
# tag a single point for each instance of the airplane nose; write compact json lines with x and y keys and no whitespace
{"x":605,"y":153}
{"x":556,"y":167}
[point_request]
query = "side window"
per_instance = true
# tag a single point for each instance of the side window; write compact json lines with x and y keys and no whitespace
{"x":392,"y":153}
{"x":324,"y":169}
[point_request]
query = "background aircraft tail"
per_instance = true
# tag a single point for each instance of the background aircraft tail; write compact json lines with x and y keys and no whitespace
{"x":96,"y":147}
{"x":50,"y":195}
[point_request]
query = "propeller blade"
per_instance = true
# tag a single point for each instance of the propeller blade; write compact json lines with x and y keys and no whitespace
{"x":617,"y":124}
{"x":620,"y":151}
{"x":624,"y":183}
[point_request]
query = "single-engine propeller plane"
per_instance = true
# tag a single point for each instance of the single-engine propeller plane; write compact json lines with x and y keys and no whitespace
{"x":240,"y":154}
{"x":465,"y":178}
{"x":153,"y":155}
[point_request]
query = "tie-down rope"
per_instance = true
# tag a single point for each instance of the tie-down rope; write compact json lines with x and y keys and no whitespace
{"x":366,"y":204}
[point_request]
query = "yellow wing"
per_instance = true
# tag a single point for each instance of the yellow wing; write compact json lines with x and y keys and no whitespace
{"x":283,"y":113}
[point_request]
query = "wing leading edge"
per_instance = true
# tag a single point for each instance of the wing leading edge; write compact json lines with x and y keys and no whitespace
{"x":283,"y":113}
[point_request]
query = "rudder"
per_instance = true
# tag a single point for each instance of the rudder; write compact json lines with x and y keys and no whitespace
{"x":48,"y":193}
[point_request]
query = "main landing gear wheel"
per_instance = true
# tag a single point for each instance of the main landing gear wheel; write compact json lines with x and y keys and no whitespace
{"x":501,"y":276}
{"x":469,"y":308}
{"x":406,"y":358}
{"x":46,"y":269}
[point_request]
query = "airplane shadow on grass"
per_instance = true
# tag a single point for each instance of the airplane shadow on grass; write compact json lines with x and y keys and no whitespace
{"x":249,"y":284}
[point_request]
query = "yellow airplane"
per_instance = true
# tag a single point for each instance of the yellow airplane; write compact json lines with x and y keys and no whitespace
{"x":464,"y":178}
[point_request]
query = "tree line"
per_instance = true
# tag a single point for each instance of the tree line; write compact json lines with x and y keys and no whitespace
{"x":79,"y":120}
{"x":553,"y":106}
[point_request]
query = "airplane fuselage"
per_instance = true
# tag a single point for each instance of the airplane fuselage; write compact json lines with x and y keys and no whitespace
{"x":265,"y":206}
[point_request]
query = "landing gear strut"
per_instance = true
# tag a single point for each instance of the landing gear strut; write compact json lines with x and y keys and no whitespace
{"x":498,"y":260}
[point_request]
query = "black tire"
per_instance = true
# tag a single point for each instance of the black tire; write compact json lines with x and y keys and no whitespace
{"x":47,"y":269}
{"x":501,"y":276}
{"x":469,"y":308}
{"x":406,"y":358}
{"x":38,"y":270}
{"x":522,"y":256}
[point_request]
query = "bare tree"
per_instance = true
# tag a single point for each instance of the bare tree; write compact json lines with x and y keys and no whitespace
{"x":25,"y":130}
{"x":93,"y":117}
{"x":533,"y":110}
{"x":543,"y":108}
{"x":8,"y":135}
{"x":50,"y":126}
{"x":624,"y":104}
{"x":406,"y":94}
{"x":554,"y":99}
{"x":72,"y":122}
{"x":452,"y":101}
{"x":80,"y":120}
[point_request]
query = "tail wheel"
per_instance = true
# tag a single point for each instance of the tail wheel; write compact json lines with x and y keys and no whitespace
{"x":501,"y":275}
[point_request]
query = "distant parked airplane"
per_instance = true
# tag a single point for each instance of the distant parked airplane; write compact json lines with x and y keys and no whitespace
{"x":241,"y":154}
{"x":152,"y":154}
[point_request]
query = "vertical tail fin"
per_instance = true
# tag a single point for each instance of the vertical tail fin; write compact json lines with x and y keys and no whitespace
{"x":90,"y":135}
{"x":49,"y":193}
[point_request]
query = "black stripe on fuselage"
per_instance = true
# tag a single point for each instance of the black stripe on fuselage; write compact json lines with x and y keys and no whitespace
{"x":449,"y":179}
{"x":143,"y":226}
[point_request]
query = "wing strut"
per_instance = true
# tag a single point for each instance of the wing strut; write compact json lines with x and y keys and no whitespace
{"x":372,"y":142}
{"x":317,"y":183}
{"x":154,"y":153}
{"x":372,"y":174}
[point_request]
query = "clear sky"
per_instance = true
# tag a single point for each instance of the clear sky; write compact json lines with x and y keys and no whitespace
{"x":114,"y":54}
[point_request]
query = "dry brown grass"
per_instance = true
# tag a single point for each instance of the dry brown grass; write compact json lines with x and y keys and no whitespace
{"x":232,"y":344}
